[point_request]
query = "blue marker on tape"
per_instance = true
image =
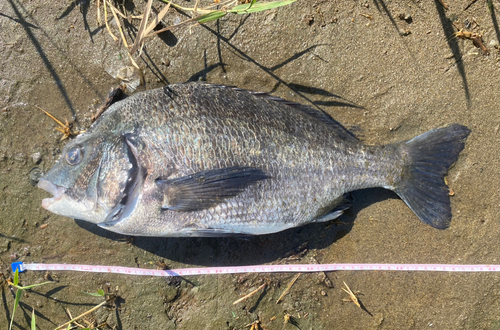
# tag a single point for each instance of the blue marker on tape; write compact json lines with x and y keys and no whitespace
{"x":19,"y":266}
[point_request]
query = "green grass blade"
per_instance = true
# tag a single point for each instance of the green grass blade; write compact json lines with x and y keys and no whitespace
{"x":99,"y":293}
{"x":16,"y":277}
{"x":94,"y":294}
{"x":16,"y":302}
{"x":33,"y":285}
{"x":33,"y":321}
{"x":215,"y":15}
{"x":259,"y":6}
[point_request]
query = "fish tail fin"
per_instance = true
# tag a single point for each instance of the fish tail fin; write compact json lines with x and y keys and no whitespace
{"x":422,"y":186}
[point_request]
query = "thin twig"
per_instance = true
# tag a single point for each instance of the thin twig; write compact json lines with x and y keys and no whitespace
{"x":81,"y":315}
{"x":288,"y":288}
{"x":250,"y":294}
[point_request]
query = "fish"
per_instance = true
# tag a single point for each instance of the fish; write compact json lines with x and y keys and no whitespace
{"x":198,"y":160}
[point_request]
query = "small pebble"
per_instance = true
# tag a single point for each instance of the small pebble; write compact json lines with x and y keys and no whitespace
{"x":35,"y":175}
{"x":405,"y":17}
{"x":37,"y":157}
{"x":19,"y":157}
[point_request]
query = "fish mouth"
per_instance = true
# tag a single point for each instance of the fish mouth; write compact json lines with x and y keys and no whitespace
{"x":56,"y":191}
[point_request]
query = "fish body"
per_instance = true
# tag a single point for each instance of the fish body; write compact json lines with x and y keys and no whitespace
{"x":206,"y":160}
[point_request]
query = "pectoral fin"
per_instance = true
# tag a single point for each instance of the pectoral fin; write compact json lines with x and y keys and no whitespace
{"x":205,"y":189}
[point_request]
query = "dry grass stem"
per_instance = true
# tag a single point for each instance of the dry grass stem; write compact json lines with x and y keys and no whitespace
{"x":71,"y":317}
{"x":115,"y":38}
{"x":133,"y":61}
{"x":117,"y":20}
{"x":288,"y":287}
{"x":140,"y":33}
{"x":352,"y":296}
{"x":208,"y":9}
{"x":250,"y":294}
{"x":80,"y":316}
{"x":157,"y":20}
{"x":64,"y":128}
{"x":118,"y":11}
{"x":209,"y":13}
{"x":254,"y":325}
{"x":189,"y":23}
{"x":99,"y":12}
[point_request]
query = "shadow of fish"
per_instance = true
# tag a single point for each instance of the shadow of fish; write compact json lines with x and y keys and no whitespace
{"x":206,"y":160}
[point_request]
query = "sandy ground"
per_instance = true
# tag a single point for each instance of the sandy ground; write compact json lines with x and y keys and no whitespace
{"x":387,"y":78}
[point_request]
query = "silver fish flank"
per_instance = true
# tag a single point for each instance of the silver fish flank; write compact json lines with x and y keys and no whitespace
{"x":206,"y":160}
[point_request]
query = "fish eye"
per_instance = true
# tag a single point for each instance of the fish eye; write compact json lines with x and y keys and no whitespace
{"x":74,"y":155}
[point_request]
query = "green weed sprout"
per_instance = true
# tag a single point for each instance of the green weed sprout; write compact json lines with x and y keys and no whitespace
{"x":19,"y":292}
{"x":212,"y":15}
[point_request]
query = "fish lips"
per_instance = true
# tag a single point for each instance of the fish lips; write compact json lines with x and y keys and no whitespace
{"x":56,"y":191}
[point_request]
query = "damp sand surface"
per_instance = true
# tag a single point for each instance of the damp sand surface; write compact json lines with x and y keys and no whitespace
{"x":387,"y":70}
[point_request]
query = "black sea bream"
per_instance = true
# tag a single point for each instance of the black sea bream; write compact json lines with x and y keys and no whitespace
{"x":205,"y":160}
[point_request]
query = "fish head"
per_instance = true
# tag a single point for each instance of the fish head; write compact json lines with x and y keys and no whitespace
{"x":90,"y":178}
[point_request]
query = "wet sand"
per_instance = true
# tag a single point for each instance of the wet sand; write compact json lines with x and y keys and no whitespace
{"x":385,"y":77}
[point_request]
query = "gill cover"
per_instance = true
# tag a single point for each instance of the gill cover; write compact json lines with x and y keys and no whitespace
{"x":131,"y":193}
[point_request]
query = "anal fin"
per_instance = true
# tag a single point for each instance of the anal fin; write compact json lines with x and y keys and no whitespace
{"x":346,"y":203}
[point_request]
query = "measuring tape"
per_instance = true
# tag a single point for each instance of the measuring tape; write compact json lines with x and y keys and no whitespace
{"x":297,"y":268}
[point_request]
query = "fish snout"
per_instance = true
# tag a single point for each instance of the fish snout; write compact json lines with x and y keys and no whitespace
{"x":56,"y":191}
